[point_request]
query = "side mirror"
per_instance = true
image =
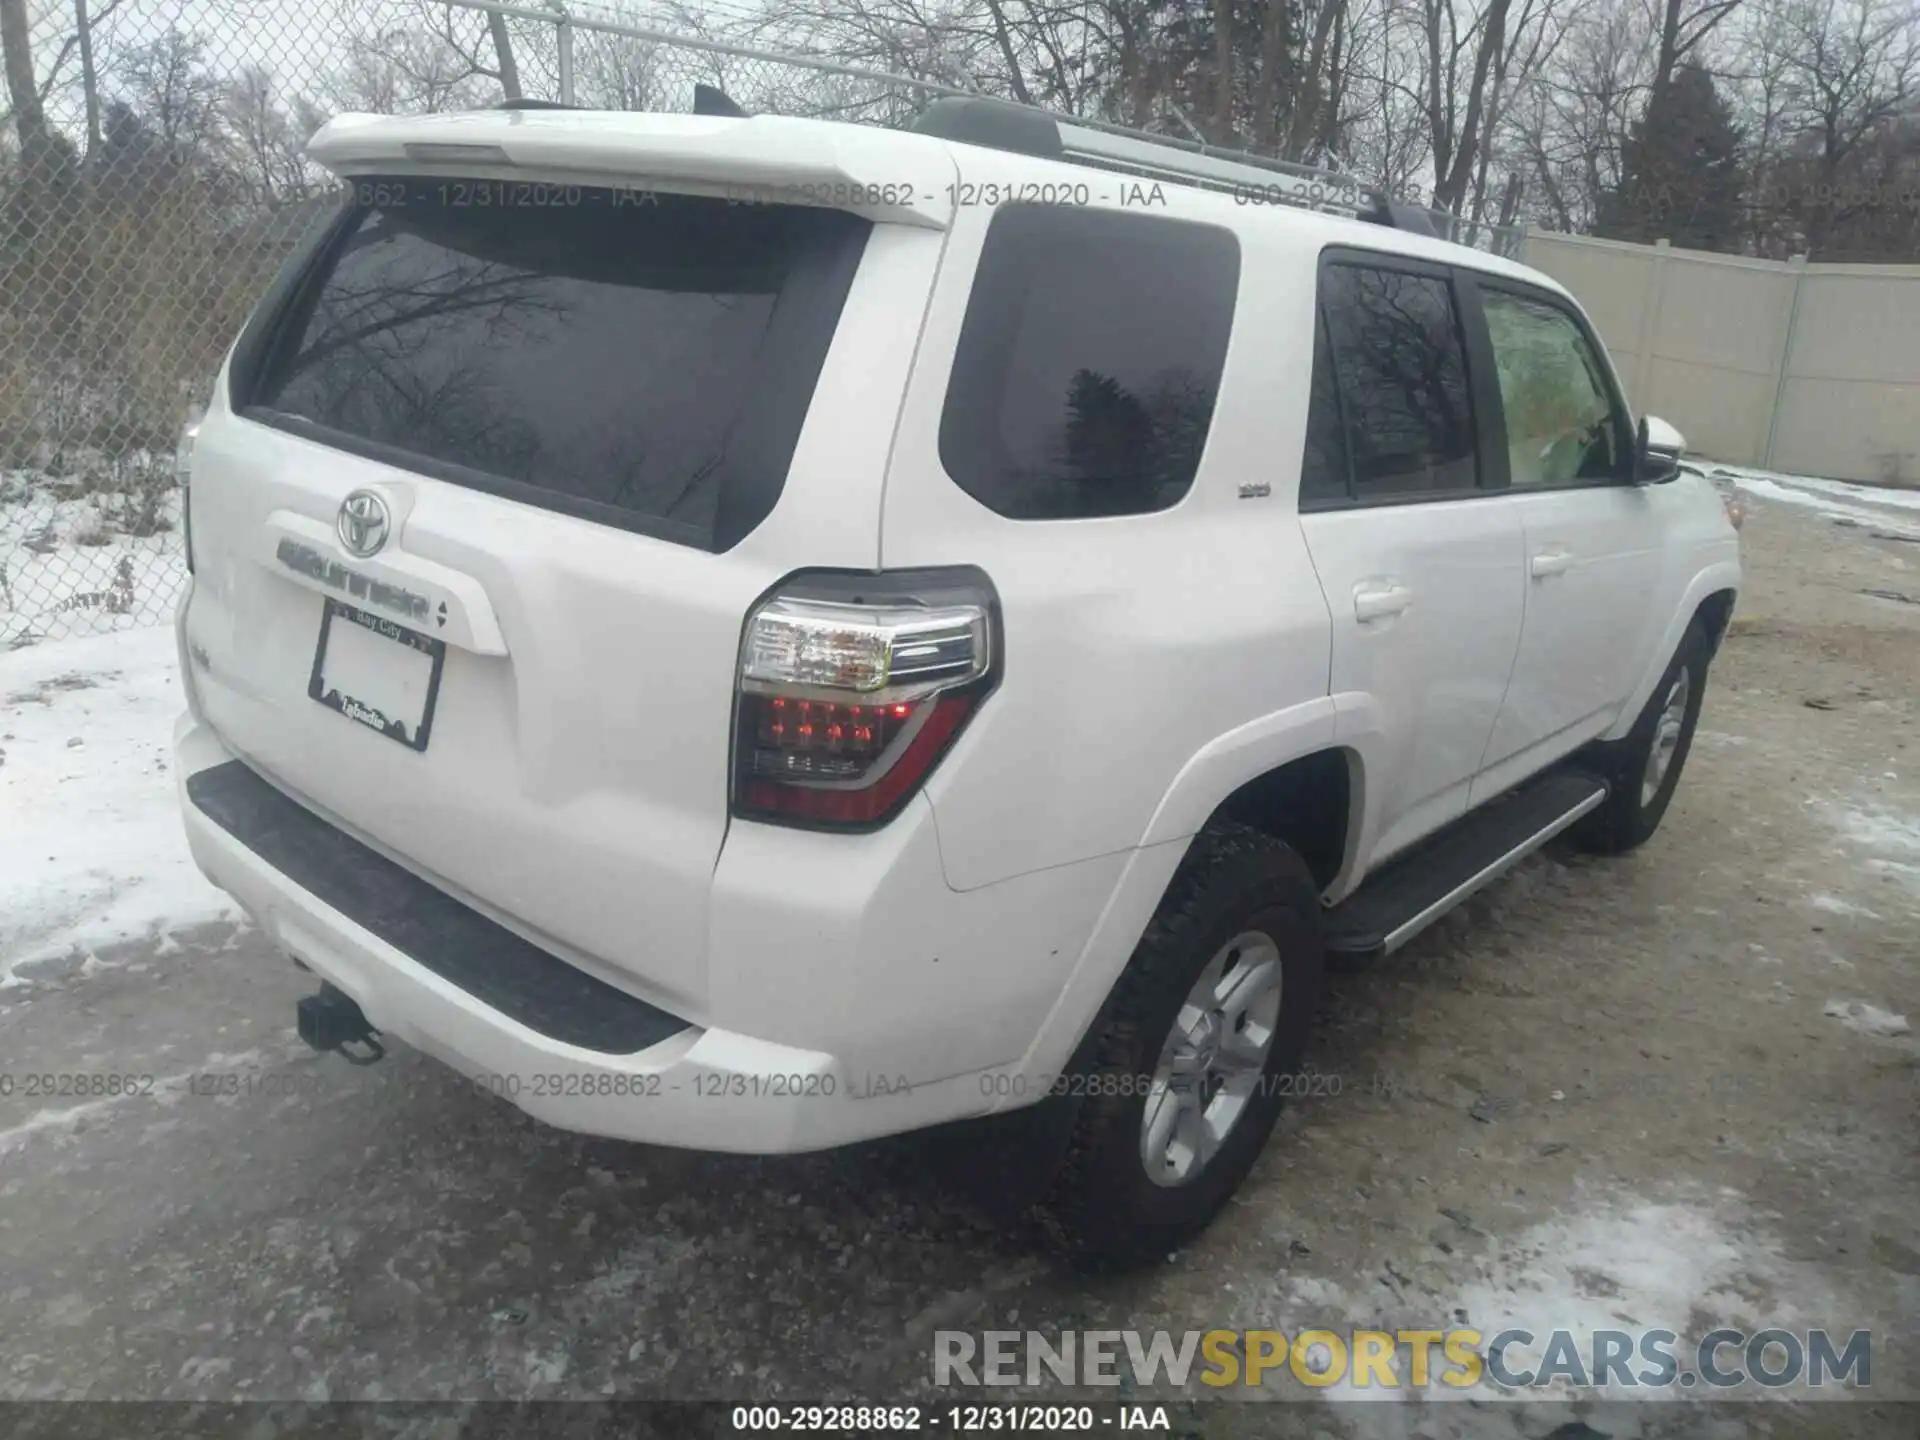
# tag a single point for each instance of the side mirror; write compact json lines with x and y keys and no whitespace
{"x":1656,"y":451}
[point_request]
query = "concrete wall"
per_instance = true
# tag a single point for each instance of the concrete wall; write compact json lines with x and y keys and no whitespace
{"x":1813,"y":369}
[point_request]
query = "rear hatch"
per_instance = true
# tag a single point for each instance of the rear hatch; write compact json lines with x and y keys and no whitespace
{"x":499,"y":469}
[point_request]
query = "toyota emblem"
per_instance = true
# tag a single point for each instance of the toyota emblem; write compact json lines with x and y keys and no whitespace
{"x":363,"y":523}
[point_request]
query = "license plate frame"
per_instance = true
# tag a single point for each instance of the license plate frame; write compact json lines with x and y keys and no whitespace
{"x":360,"y":711}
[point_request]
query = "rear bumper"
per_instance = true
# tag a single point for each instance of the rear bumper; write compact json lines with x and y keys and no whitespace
{"x":574,"y":1051}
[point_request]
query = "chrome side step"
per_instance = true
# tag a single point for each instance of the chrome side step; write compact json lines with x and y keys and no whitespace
{"x":1416,"y":889}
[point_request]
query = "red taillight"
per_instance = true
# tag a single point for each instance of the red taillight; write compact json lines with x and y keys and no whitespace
{"x":851,"y":688}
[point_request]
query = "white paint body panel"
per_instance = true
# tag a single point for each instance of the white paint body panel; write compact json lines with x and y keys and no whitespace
{"x":575,"y":788}
{"x":1593,"y":560}
{"x":1435,"y":669}
{"x":1158,"y":633}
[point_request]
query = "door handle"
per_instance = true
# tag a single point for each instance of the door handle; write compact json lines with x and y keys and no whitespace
{"x":1551,"y":562}
{"x":1376,"y":601}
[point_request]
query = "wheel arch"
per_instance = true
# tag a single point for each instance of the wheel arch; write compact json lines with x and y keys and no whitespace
{"x":1309,"y":803}
{"x":1256,"y":771}
{"x":1277,"y":776}
{"x":1715,"y":613}
{"x":1710,"y":598}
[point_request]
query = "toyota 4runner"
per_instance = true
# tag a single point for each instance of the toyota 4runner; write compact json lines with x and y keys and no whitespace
{"x":756,"y":634}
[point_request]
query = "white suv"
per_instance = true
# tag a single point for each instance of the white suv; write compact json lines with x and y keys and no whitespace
{"x":757,"y":634}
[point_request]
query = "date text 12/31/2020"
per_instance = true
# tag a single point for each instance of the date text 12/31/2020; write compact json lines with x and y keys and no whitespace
{"x":956,"y":1419}
{"x":399,"y":194}
{"x":1125,"y":193}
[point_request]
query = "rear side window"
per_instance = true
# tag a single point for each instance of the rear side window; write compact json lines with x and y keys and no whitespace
{"x":643,"y":360}
{"x":1084,"y":379}
{"x":1401,"y":368}
{"x":1323,"y":471}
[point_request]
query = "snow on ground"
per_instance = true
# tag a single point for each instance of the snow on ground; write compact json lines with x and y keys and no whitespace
{"x":1690,"y":1262}
{"x":1882,"y":508}
{"x":68,"y":564}
{"x":91,"y":847}
{"x":1627,"y":1263}
{"x":1874,"y":836}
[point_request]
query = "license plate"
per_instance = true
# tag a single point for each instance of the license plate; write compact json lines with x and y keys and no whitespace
{"x":381,"y":674}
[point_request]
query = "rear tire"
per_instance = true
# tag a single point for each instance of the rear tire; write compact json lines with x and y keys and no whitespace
{"x":1242,"y":911}
{"x":1643,"y":769}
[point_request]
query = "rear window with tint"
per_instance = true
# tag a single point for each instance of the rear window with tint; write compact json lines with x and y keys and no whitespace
{"x":1401,"y":365}
{"x":1084,"y":379}
{"x":644,"y":360}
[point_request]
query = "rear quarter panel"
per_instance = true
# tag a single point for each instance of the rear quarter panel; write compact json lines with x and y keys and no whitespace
{"x":1132,"y":643}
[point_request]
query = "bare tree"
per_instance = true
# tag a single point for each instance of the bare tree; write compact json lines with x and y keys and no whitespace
{"x":1456,"y":110}
{"x":616,"y":72}
{"x":436,"y":57}
{"x":1681,"y":32}
{"x":400,"y":71}
{"x":1570,"y":114}
{"x":37,"y":144}
{"x":266,"y":140}
{"x":1844,"y":74}
{"x":1223,"y":66}
{"x":172,"y":90}
{"x":508,"y":72}
{"x":1383,"y":132}
{"x":1534,"y":31}
{"x":89,"y":76}
{"x":1003,"y":44}
{"x":1849,"y":66}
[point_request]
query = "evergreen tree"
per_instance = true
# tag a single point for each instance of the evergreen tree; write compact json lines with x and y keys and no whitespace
{"x":1680,"y":173}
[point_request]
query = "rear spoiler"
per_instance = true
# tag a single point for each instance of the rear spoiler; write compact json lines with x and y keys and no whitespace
{"x":881,"y":174}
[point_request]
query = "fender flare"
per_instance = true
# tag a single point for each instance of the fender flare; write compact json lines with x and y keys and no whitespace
{"x":1214,"y":772}
{"x":1719,"y":576}
{"x":1228,"y":761}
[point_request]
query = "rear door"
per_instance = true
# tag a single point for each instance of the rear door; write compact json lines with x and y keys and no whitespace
{"x":484,"y":506}
{"x":1592,"y":536}
{"x":1419,"y":556}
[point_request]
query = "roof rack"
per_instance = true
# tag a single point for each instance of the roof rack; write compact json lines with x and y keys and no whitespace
{"x":707,"y":100}
{"x":1004,"y":125}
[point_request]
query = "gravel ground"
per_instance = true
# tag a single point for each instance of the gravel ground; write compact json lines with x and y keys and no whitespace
{"x":1605,"y":1092}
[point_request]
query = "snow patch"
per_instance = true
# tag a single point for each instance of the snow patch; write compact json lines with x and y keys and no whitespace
{"x":1867,"y":1019}
{"x":1886,"y":495}
{"x":1826,"y":498}
{"x":90,"y":551}
{"x":1868,"y":505}
{"x":1631,"y":1263}
{"x":1834,"y":905}
{"x":1688,"y":1264}
{"x":91,"y":846}
{"x":1880,"y":830}
{"x":166,"y":1091}
{"x":1885,"y":841}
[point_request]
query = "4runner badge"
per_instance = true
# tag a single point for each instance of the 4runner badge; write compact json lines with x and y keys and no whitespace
{"x":363,"y":523}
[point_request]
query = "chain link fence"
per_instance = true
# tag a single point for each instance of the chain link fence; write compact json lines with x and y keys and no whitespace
{"x":153,"y":178}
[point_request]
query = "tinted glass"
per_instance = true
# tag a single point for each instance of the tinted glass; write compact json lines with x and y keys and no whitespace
{"x":1084,"y":379}
{"x":612,"y":353}
{"x":1323,"y":471}
{"x":1402,"y":372}
{"x":1560,"y":421}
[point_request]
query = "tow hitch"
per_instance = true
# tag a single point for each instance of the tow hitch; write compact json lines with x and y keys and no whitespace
{"x":331,"y":1021}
